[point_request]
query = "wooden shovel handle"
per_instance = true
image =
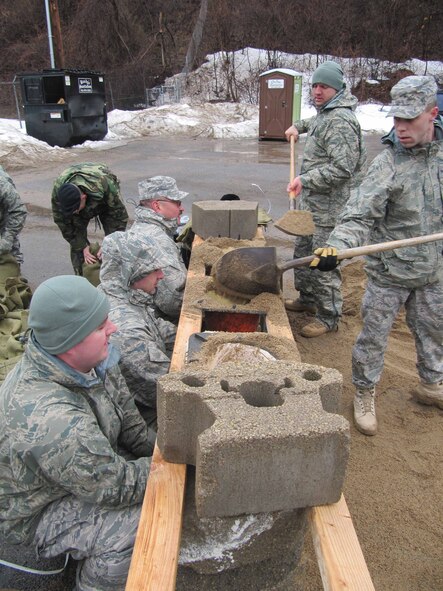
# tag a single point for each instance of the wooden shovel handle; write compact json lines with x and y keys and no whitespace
{"x":364,"y":250}
{"x":292,"y":172}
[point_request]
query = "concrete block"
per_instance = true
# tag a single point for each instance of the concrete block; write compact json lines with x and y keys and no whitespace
{"x":231,"y":219}
{"x":259,"y":436}
{"x":210,"y":218}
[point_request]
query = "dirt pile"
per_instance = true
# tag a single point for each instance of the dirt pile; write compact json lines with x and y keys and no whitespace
{"x":394,"y":480}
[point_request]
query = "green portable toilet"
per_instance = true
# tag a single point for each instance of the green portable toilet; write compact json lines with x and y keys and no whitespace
{"x":280,"y":102}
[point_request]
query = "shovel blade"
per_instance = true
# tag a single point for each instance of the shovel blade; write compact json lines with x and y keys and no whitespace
{"x":248,"y":271}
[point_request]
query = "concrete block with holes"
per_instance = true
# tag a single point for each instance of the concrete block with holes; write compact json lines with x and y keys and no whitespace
{"x":263,"y":437}
{"x":232,"y":219}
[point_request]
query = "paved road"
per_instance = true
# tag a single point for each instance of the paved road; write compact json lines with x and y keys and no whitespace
{"x":204,"y":167}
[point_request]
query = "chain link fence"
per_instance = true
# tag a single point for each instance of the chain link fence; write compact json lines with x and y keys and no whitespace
{"x":164,"y":94}
{"x":10,"y":100}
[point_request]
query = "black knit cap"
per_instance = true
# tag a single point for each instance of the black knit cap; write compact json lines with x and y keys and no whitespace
{"x":230,"y":197}
{"x":69,"y":198}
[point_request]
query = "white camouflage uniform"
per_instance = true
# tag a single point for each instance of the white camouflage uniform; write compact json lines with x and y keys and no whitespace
{"x":144,"y":340}
{"x":400,"y":197}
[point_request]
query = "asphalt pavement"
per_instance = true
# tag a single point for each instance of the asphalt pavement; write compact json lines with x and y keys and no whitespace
{"x":254,"y":170}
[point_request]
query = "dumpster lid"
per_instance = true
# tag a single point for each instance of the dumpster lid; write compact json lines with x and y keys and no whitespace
{"x":61,"y":72}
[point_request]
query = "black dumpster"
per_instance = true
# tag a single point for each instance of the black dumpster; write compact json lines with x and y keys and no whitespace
{"x":64,"y":107}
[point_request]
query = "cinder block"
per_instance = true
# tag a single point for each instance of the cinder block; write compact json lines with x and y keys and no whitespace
{"x":231,"y":219}
{"x":260,"y":437}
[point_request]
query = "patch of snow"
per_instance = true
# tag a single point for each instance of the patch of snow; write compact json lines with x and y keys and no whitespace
{"x":198,"y":116}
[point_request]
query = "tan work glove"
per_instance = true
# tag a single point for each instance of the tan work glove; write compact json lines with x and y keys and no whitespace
{"x":326,"y":259}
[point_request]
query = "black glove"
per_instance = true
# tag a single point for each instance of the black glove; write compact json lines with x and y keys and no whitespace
{"x":326,"y":259}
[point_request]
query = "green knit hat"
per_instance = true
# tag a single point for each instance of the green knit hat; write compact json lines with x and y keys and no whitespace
{"x":64,"y":310}
{"x":329,"y":73}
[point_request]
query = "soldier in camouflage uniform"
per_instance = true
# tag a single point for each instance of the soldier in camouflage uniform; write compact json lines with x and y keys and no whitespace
{"x":401,"y":197}
{"x":12,"y":217}
{"x":82,"y":192}
{"x":334,"y":161}
{"x":156,"y":218}
{"x":73,"y":447}
{"x":129,"y":274}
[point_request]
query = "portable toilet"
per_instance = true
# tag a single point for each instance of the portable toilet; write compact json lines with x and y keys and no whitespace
{"x":280,"y":102}
{"x":64,"y":107}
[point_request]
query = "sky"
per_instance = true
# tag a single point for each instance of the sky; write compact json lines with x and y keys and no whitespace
{"x":195,"y":116}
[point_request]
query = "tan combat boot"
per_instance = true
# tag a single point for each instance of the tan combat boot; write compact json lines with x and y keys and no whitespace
{"x":431,"y":394}
{"x":364,"y":411}
{"x":298,"y":306}
{"x":315,"y":329}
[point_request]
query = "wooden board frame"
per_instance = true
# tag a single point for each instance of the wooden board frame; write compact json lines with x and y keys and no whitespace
{"x":157,"y":545}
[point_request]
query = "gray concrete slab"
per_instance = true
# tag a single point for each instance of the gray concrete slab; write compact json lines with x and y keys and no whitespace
{"x":231,"y":219}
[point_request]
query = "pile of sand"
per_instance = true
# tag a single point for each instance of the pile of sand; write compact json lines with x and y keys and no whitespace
{"x":394,"y":480}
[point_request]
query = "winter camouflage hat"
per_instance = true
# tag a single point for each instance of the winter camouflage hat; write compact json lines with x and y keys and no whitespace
{"x":411,"y":96}
{"x":127,"y":258}
{"x":160,"y":186}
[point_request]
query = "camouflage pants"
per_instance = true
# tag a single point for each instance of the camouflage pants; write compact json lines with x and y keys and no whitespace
{"x":316,"y":287}
{"x":77,"y":260}
{"x":16,"y":251}
{"x":102,"y":539}
{"x":424,"y":317}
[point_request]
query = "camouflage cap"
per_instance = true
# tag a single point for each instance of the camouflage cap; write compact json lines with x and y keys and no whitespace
{"x":160,"y":186}
{"x":411,"y":96}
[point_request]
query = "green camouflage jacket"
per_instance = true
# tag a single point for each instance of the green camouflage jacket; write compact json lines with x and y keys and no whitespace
{"x":400,"y":197}
{"x":12,"y":217}
{"x":102,"y":188}
{"x":63,"y":433}
{"x":334,"y":158}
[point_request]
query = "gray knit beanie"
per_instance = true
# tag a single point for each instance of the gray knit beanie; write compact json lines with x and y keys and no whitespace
{"x":64,"y":310}
{"x":329,"y":73}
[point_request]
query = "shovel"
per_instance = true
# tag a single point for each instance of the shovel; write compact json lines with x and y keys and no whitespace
{"x":295,"y":222}
{"x":247,"y":272}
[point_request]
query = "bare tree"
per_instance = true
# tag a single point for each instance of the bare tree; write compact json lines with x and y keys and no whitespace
{"x":196,"y":38}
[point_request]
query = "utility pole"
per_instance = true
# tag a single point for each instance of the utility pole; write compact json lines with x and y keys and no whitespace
{"x":53,"y":22}
{"x":58,"y":41}
{"x":49,"y":27}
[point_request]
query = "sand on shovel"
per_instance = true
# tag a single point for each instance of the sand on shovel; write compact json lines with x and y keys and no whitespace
{"x":296,"y":222}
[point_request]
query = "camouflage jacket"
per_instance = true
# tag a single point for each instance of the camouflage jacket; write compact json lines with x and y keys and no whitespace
{"x":144,"y":340}
{"x":12,"y":217}
{"x":63,"y":433}
{"x":102,"y":188}
{"x":400,"y":197}
{"x":169,"y":296}
{"x":334,"y":158}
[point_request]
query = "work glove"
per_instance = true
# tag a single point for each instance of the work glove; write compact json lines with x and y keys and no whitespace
{"x":326,"y":259}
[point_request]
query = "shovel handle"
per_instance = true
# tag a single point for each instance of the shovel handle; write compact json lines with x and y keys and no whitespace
{"x":292,"y":171}
{"x":365,"y":250}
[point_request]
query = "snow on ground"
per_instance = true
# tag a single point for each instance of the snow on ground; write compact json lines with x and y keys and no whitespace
{"x":195,"y":116}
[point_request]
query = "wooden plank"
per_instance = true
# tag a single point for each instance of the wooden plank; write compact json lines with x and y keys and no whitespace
{"x":155,"y":556}
{"x":339,"y":555}
{"x":157,"y":545}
